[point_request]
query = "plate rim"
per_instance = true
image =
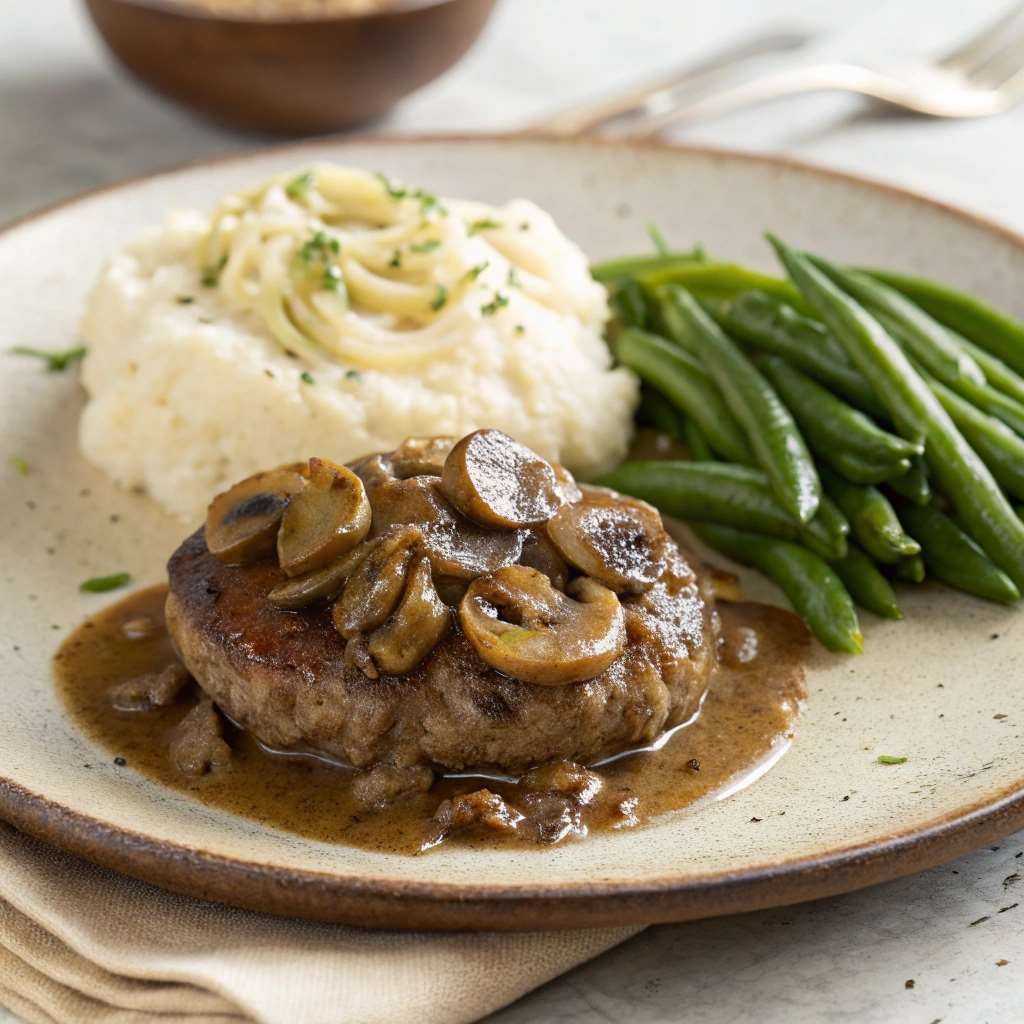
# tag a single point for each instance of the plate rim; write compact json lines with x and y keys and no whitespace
{"x":395,"y":903}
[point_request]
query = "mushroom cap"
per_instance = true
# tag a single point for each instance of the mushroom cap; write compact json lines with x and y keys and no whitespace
{"x":521,"y":625}
{"x":242,"y":522}
{"x":324,"y":521}
{"x":498,"y":482}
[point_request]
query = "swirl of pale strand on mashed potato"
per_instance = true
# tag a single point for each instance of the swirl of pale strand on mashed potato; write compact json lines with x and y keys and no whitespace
{"x":336,"y":302}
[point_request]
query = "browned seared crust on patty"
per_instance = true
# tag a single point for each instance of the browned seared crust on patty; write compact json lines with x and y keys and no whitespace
{"x":283,"y":676}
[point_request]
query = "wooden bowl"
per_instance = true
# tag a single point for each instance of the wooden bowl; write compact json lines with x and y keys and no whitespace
{"x":288,"y":76}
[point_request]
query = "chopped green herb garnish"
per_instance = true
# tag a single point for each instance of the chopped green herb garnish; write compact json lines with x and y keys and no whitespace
{"x":440,"y":298}
{"x":318,"y":246}
{"x":428,"y":246}
{"x":211,"y":274}
{"x":184,"y":300}
{"x":353,"y":375}
{"x":395,"y":191}
{"x":429,"y":202}
{"x":331,"y":279}
{"x":474,"y":272}
{"x":56,"y":362}
{"x":891,"y":759}
{"x":306,"y":377}
{"x":19,"y":465}
{"x":492,"y":307}
{"x":396,"y":259}
{"x":484,"y":224}
{"x":513,"y":277}
{"x":520,"y":329}
{"x":101,"y":584}
{"x":655,"y":235}
{"x":299,"y":185}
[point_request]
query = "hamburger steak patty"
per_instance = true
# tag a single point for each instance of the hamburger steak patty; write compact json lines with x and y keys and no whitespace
{"x":284,"y":676}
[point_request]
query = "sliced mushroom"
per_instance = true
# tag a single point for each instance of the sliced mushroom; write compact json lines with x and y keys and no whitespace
{"x":619,"y":541}
{"x":375,"y":588}
{"x":519,"y":624}
{"x":242,"y":523}
{"x":321,"y":584}
{"x":567,"y":486}
{"x":421,"y":456}
{"x":540,"y":553}
{"x":498,"y":482}
{"x":373,"y":470}
{"x":418,"y":624}
{"x":327,"y":519}
{"x":457,"y":547}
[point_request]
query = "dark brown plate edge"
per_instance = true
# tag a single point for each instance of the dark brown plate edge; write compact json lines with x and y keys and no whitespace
{"x":382,"y":903}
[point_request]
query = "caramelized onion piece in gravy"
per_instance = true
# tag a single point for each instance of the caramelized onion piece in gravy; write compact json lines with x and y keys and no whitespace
{"x":242,"y":523}
{"x":457,"y":547}
{"x":519,"y":624}
{"x":197,"y":744}
{"x":618,"y":541}
{"x":498,"y":482}
{"x":421,"y":456}
{"x":328,"y":518}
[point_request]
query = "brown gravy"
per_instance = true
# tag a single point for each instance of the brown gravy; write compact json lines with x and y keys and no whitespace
{"x":744,"y":725}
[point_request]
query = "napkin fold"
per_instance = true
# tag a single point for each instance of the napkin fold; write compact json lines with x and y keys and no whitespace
{"x":80,"y":943}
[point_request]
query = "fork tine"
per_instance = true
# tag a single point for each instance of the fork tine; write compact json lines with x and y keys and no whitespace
{"x":979,"y":47}
{"x":1002,"y":65}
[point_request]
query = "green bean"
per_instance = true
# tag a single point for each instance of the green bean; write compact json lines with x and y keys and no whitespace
{"x":717,"y":492}
{"x":674,"y":322}
{"x":913,"y":485}
{"x":631,"y":266}
{"x":960,"y":473}
{"x":998,"y":446}
{"x":696,"y":443}
{"x":812,"y":587}
{"x":657,"y":412}
{"x":872,"y":519}
{"x":629,"y":304}
{"x":997,"y":373}
{"x":994,"y":402}
{"x":687,"y":385}
{"x":911,"y":569}
{"x":830,"y":425}
{"x":826,"y":533}
{"x":771,"y":431}
{"x":718,"y":281}
{"x":926,"y":339}
{"x":968,"y":315}
{"x":772,"y":325}
{"x":952,"y":557}
{"x":864,"y":471}
{"x":867,"y":586}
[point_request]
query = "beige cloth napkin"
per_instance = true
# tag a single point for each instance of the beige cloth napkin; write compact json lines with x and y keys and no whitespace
{"x":82,"y":944}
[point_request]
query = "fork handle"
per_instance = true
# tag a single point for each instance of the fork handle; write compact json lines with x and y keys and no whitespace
{"x":787,"y":82}
{"x":590,"y":116}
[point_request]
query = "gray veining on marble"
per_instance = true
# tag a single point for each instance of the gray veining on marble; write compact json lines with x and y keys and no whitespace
{"x":69,"y":122}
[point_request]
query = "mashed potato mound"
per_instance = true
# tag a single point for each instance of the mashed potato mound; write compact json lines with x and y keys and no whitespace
{"x":191,"y":386}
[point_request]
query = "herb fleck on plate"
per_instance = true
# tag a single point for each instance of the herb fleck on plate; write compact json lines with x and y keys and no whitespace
{"x":101,"y":584}
{"x":891,"y":759}
{"x":56,"y":362}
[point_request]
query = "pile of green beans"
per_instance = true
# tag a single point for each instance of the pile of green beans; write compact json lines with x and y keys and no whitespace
{"x":847,"y":429}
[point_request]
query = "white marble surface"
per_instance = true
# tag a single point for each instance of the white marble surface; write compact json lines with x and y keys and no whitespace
{"x":69,"y":122}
